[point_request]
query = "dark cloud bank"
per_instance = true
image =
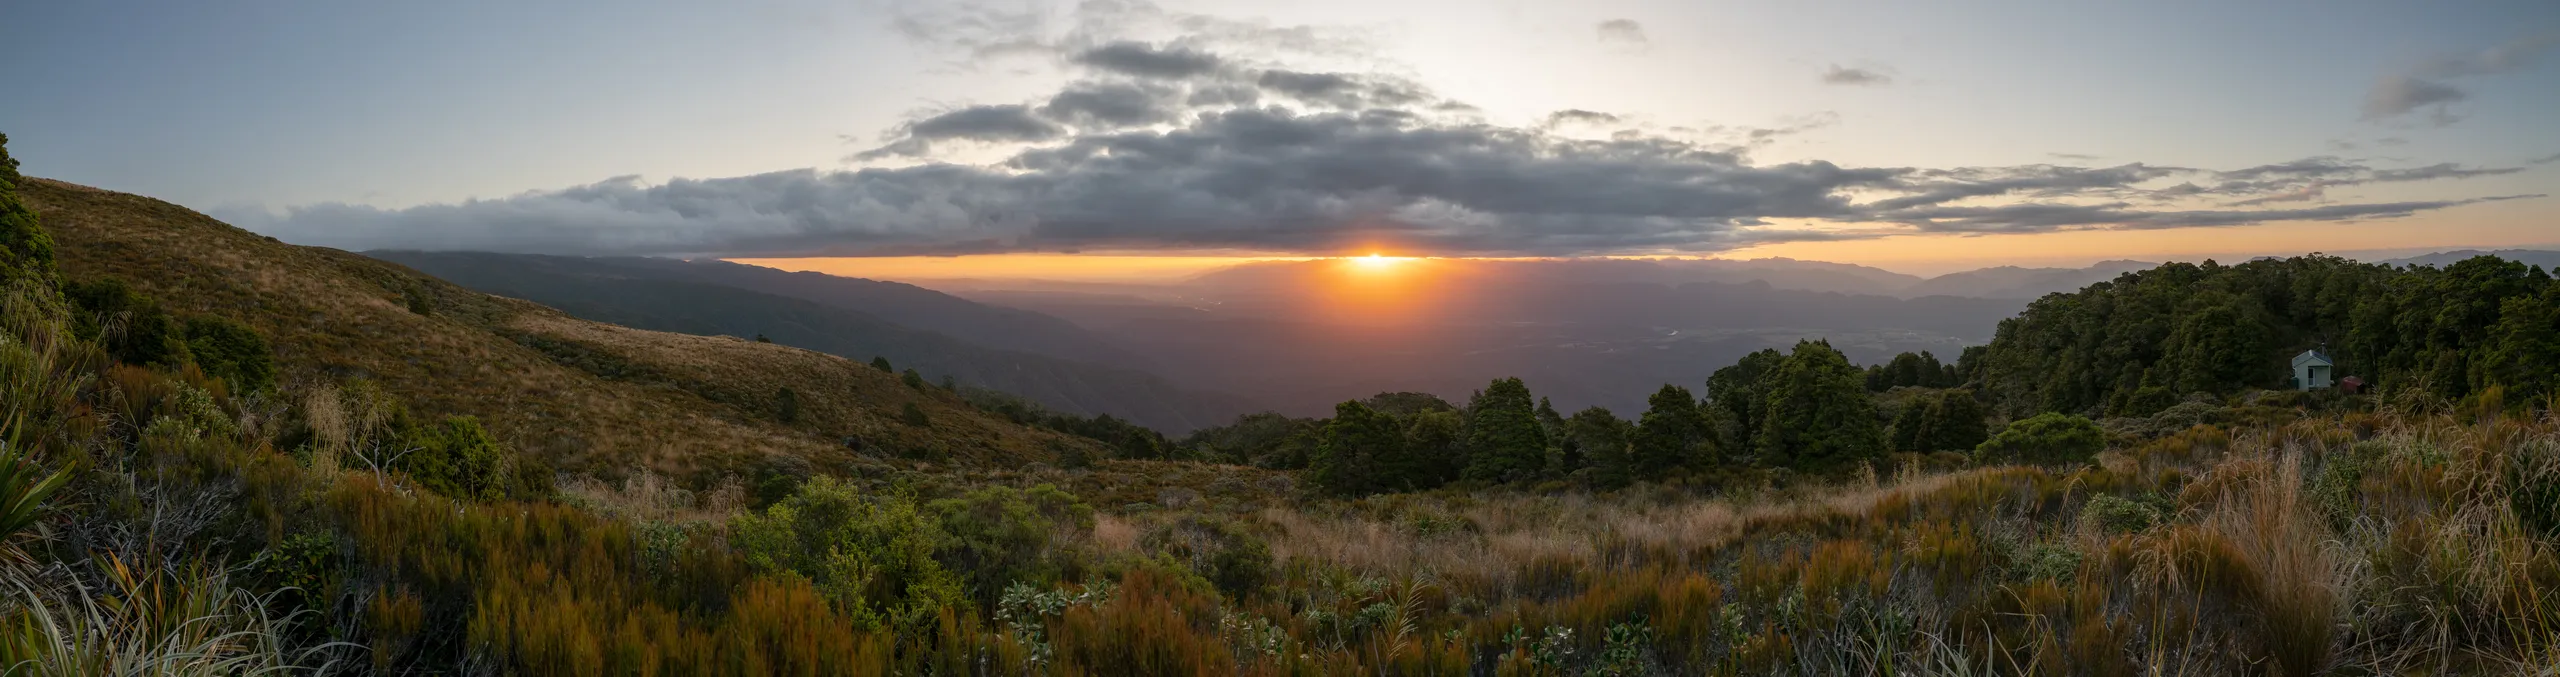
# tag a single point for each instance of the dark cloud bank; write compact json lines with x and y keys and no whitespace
{"x":1202,"y":142}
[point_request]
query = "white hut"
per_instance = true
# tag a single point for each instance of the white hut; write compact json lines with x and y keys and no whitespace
{"x":2312,"y":370}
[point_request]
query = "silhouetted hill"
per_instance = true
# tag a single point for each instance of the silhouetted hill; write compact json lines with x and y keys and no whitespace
{"x":902,"y":304}
{"x":675,"y":297}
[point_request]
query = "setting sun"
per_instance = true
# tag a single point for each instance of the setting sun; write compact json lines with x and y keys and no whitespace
{"x":1375,"y":261}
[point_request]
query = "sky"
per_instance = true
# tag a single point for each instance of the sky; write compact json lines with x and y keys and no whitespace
{"x":1920,"y":137}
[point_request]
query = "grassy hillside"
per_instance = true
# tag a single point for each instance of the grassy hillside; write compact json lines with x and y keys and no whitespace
{"x":584,"y":394}
{"x":671,"y":297}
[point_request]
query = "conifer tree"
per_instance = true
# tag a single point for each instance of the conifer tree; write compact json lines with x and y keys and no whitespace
{"x":1736,"y":390}
{"x":1672,"y":433}
{"x":1504,"y":441}
{"x":1816,"y":414}
{"x":1360,"y":447}
{"x":1602,"y":438}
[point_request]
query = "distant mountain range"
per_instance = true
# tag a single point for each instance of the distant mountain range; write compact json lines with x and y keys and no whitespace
{"x":691,"y":298}
{"x":2548,"y":259}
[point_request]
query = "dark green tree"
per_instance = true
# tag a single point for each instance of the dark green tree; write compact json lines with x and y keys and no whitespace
{"x":1736,"y":390}
{"x":26,"y":251}
{"x":1361,"y":449}
{"x":1603,"y":438}
{"x":1504,"y":441}
{"x":1436,"y":441}
{"x":882,"y":364}
{"x":912,"y":379}
{"x":914,"y":416}
{"x":1949,"y":420}
{"x":1672,"y":433}
{"x":1817,"y":415}
{"x":1551,"y":424}
{"x":226,"y":349}
{"x":2524,"y":347}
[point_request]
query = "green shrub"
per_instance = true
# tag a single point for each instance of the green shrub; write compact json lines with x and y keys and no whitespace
{"x":999,"y":536}
{"x":2338,"y":485}
{"x":786,"y":405}
{"x":2112,"y":514}
{"x":457,"y":459}
{"x":307,"y":564}
{"x":882,"y":364}
{"x":914,"y":415}
{"x":912,"y":379}
{"x":415,"y":297}
{"x":1217,"y":549}
{"x":129,"y":324}
{"x":227,"y":349}
{"x":2046,"y":561}
{"x":873,"y":557}
{"x":2046,"y":439}
{"x":2147,"y":400}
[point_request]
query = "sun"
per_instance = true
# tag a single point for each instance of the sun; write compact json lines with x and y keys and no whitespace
{"x":1376,"y":261}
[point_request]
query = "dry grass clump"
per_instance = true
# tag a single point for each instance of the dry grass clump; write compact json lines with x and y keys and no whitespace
{"x":2382,"y":544}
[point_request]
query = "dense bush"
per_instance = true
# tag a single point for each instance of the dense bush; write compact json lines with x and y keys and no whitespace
{"x":998,"y":536}
{"x":2045,"y":439}
{"x":1218,"y":549}
{"x":227,"y":349}
{"x":873,"y":557}
{"x":457,"y":458}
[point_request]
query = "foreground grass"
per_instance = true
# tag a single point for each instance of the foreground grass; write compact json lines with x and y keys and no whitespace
{"x":227,"y":533}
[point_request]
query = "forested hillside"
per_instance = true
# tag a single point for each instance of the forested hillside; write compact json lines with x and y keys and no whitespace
{"x":2137,"y":343}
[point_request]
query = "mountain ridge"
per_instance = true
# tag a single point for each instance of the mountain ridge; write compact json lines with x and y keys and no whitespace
{"x":668,"y":297}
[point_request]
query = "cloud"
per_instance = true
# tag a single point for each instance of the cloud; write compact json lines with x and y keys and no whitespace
{"x":2398,"y":95}
{"x":1112,"y":105}
{"x":2445,"y":170}
{"x":1577,"y":116}
{"x":2043,"y":217}
{"x":2427,"y":83}
{"x":1189,"y":144}
{"x":1623,"y":32}
{"x":974,"y":123}
{"x":1147,"y":61}
{"x":1859,"y":77}
{"x":2308,"y":192}
{"x":2544,"y":160}
{"x":2072,"y":156}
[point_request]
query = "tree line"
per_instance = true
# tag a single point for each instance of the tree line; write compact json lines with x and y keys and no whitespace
{"x":1807,"y":410}
{"x":2131,"y":347}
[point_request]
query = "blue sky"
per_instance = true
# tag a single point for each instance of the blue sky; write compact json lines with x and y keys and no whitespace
{"x":371,"y":124}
